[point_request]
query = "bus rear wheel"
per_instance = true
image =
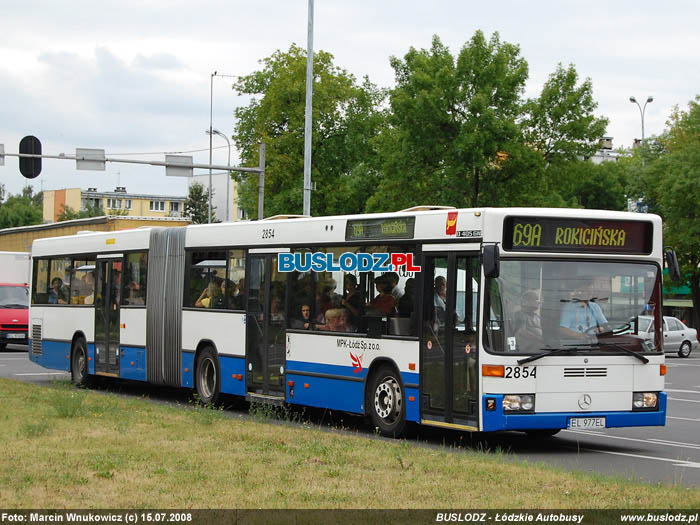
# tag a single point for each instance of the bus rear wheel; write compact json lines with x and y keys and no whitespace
{"x":386,"y":402}
{"x":208,"y":377}
{"x":79,"y":363}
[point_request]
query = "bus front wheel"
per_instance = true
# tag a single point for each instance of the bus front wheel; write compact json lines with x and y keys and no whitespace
{"x":79,"y":363}
{"x":386,"y":402}
{"x":208,"y":377}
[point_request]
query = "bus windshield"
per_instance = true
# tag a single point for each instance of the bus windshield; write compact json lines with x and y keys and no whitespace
{"x":537,"y":306}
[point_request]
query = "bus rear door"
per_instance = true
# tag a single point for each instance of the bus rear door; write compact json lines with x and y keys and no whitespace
{"x":108,"y":285}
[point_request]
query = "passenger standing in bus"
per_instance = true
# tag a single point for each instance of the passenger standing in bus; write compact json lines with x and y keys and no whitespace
{"x":352,"y":300}
{"x":394,"y":280}
{"x":406,"y":301}
{"x":440,"y":299}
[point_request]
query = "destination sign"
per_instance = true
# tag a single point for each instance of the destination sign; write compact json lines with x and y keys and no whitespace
{"x":377,"y":229}
{"x":535,"y":234}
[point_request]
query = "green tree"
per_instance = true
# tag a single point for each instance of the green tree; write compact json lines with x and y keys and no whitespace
{"x":672,"y":172}
{"x":20,"y":210}
{"x":346,"y":121}
{"x":453,"y":122}
{"x":69,"y":214}
{"x":560,"y":123}
{"x":197,"y":204}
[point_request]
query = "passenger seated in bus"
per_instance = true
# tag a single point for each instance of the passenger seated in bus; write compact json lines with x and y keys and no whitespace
{"x":303,"y":321}
{"x":406,"y":302}
{"x":228,"y":291}
{"x":582,"y":316}
{"x":384,"y":303}
{"x":440,"y":299}
{"x":135,"y":295}
{"x":338,"y":320}
{"x":58,"y":293}
{"x":352,"y":300}
{"x":210,"y":297}
{"x":527,"y":327}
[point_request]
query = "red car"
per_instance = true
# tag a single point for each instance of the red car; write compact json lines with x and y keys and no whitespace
{"x":14,"y":314}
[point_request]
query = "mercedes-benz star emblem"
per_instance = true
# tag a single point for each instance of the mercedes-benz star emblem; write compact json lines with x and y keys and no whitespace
{"x":584,"y":402}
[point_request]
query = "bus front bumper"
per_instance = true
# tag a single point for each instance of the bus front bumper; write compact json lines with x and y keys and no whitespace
{"x":494,"y":420}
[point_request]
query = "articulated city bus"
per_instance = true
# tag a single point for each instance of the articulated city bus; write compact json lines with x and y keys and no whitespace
{"x":473,"y":319}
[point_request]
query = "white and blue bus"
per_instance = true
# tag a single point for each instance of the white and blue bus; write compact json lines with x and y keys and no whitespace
{"x":474,"y":319}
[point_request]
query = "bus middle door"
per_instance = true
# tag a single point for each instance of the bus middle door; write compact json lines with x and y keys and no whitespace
{"x":449,"y":350}
{"x":108,"y":284}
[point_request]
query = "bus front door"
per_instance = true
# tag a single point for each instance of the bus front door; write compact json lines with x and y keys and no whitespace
{"x":449,"y":350}
{"x":107,"y":303}
{"x":265,"y":327}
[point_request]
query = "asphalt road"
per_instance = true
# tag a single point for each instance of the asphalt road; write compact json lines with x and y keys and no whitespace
{"x":669,"y":454}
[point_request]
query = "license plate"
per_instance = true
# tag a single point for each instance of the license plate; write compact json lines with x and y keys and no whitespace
{"x":587,"y":422}
{"x":15,"y":336}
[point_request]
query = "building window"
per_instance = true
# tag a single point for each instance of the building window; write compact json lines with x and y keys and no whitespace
{"x":114,"y":204}
{"x":90,"y":202}
{"x":174,"y":206}
{"x":127,"y":204}
{"x":157,"y":206}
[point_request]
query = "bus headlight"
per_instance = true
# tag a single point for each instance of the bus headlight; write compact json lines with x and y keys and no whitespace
{"x":644,"y":400}
{"x":519,"y":403}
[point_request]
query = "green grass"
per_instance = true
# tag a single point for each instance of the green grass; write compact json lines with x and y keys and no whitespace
{"x":79,"y":449}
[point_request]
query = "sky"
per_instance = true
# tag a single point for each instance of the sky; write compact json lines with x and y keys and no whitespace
{"x":134,"y":77}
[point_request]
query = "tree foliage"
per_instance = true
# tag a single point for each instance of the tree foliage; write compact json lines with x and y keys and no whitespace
{"x":197,"y":204}
{"x":669,"y":184}
{"x":451,"y":120}
{"x":69,"y":214}
{"x":345,"y":122}
{"x":21,"y":210}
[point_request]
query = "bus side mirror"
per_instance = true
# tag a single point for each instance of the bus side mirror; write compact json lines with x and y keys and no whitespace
{"x":491,"y":261}
{"x":674,"y":271}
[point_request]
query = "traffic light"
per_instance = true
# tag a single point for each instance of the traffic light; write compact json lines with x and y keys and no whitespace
{"x":30,"y":166}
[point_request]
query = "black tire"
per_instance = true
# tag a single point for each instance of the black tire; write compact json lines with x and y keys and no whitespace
{"x":685,"y":349}
{"x":386,"y":405}
{"x":207,"y":377}
{"x":79,"y":363}
{"x":542,"y":433}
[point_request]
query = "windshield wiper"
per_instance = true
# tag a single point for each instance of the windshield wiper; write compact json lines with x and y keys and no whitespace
{"x":619,"y":347}
{"x":545,"y":354}
{"x":14,"y":305}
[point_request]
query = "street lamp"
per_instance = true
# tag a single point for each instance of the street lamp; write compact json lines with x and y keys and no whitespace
{"x":228,"y":177}
{"x":642,"y":110}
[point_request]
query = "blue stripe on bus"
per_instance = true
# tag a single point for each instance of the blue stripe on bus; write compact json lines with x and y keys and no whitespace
{"x":132,"y":363}
{"x":337,"y":393}
{"x":188,"y":369}
{"x":497,"y":420}
{"x":91,"y":358}
{"x":54,"y":355}
{"x":342,"y":370}
{"x":230,"y":367}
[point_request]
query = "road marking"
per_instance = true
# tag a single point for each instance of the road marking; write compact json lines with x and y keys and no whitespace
{"x":675,"y":462}
{"x":43,"y":374}
{"x":683,"y":418}
{"x":686,"y":400}
{"x":683,"y":391}
{"x":680,"y":366}
{"x":624,"y":438}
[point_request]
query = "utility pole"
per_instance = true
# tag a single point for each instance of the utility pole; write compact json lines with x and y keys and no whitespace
{"x":308,"y":114}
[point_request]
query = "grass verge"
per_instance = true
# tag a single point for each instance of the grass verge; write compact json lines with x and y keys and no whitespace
{"x":71,"y":448}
